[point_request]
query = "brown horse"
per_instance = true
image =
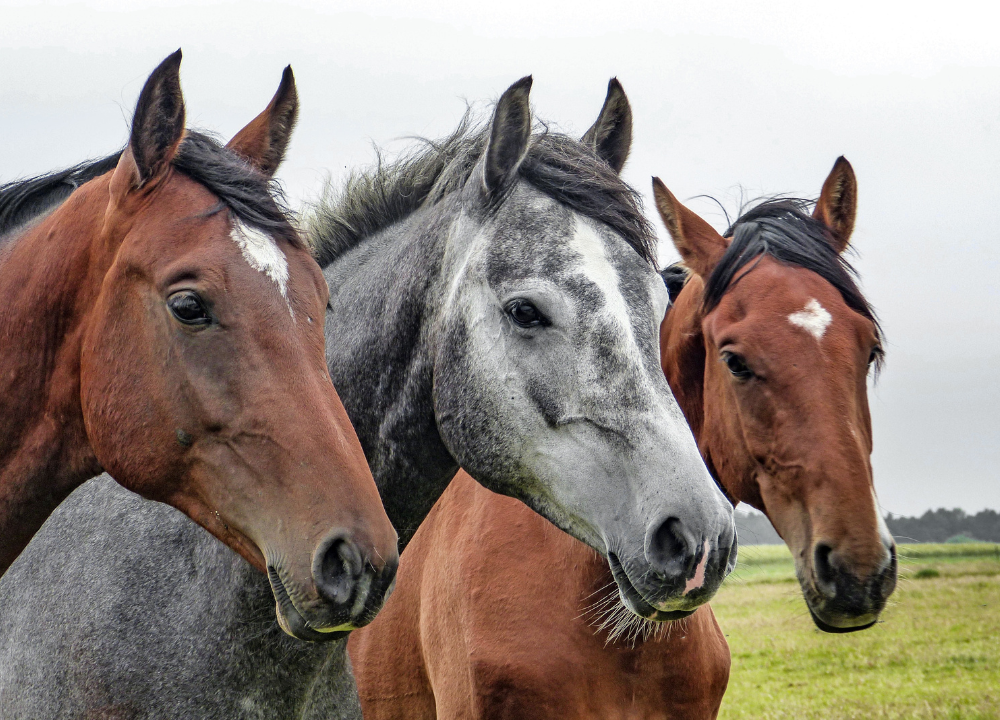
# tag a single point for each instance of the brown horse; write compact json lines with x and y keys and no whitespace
{"x":165,"y":323}
{"x":767,"y":347}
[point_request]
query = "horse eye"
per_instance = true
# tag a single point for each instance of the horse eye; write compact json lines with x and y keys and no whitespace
{"x":189,"y":308}
{"x":524,"y":314}
{"x":737,"y":365}
{"x":875,"y":354}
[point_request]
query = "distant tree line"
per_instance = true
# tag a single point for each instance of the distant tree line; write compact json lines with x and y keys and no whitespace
{"x":943,"y":525}
{"x":753,"y":528}
{"x":934,"y":526}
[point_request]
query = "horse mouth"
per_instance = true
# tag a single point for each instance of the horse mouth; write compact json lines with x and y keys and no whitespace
{"x":633,"y":599}
{"x":291,"y":620}
{"x":827,"y":628}
{"x":849,"y":622}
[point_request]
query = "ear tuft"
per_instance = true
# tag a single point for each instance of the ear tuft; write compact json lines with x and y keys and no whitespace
{"x":509,"y":135}
{"x":158,"y":123}
{"x":699,"y":245}
{"x":264,"y":141}
{"x":611,"y":136}
{"x":837,"y":206}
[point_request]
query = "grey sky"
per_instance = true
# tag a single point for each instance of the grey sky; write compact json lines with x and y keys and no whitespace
{"x":763,"y":95}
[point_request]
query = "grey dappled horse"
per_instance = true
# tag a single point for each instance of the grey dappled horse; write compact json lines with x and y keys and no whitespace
{"x":494,"y":305}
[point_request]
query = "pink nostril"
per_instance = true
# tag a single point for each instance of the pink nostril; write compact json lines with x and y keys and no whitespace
{"x":699,"y":572}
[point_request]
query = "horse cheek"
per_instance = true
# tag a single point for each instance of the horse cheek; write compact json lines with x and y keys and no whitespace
{"x":124,"y":398}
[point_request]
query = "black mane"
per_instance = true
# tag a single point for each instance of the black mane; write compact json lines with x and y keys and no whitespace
{"x":252,"y":198}
{"x":675,"y":277}
{"x":560,"y":166}
{"x":24,"y":200}
{"x":782,"y":229}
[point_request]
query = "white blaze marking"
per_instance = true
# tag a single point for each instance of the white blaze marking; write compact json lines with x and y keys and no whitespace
{"x":814,"y":319}
{"x":263,"y":254}
{"x":598,"y":268}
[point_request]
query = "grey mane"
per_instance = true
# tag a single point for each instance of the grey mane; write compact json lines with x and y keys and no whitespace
{"x":560,"y":166}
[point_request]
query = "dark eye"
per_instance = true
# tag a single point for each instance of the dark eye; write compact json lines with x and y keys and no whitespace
{"x":524,"y":314}
{"x":737,"y":365}
{"x":875,"y":354}
{"x":189,"y":308}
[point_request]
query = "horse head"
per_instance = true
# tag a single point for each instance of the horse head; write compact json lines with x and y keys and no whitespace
{"x":769,"y":347}
{"x":549,"y":386}
{"x":202,"y":371}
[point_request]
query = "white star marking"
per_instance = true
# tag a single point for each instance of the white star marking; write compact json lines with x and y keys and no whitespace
{"x":813,"y":318}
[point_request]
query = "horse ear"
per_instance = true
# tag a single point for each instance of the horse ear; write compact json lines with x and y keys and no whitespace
{"x":837,"y":206}
{"x":611,"y":136}
{"x":509,"y":135}
{"x":158,"y":123}
{"x":264,"y":140}
{"x":700,"y":246}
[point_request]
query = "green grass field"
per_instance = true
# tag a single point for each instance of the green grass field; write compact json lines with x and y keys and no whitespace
{"x":935,"y":654}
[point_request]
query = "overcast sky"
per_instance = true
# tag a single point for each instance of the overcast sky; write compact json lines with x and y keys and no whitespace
{"x":758,"y":97}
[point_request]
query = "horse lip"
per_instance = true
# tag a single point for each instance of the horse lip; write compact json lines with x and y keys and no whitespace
{"x":827,"y":628}
{"x":822,"y":624}
{"x":633,"y":599}
{"x":291,"y":620}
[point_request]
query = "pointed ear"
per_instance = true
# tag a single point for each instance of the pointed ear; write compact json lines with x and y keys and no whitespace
{"x":509,"y":135}
{"x":700,"y":246}
{"x":263,"y":142}
{"x":837,"y":206}
{"x":611,"y":135}
{"x":158,"y":123}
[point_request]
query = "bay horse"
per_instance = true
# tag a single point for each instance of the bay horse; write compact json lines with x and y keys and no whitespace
{"x":159,"y":319}
{"x":494,"y":305}
{"x":767,"y":346}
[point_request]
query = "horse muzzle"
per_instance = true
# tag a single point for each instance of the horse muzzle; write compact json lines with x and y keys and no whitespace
{"x":839,"y":600}
{"x":348,"y":591}
{"x":678,"y":573}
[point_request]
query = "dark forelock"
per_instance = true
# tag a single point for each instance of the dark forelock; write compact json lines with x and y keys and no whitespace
{"x":251,"y":197}
{"x":782,"y":228}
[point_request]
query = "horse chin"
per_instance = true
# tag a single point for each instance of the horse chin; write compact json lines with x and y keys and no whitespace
{"x":633,"y":600}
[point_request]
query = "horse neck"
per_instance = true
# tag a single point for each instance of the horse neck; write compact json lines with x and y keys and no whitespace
{"x":48,"y":281}
{"x":50,"y":278}
{"x":682,"y":353}
{"x":384,"y":297}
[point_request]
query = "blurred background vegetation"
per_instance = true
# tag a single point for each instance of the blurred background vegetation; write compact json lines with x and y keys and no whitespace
{"x":934,"y":654}
{"x":934,"y":526}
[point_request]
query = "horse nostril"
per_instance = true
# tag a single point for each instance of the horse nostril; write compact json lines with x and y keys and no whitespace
{"x":337,"y":565}
{"x":669,"y":550}
{"x":826,"y":575}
